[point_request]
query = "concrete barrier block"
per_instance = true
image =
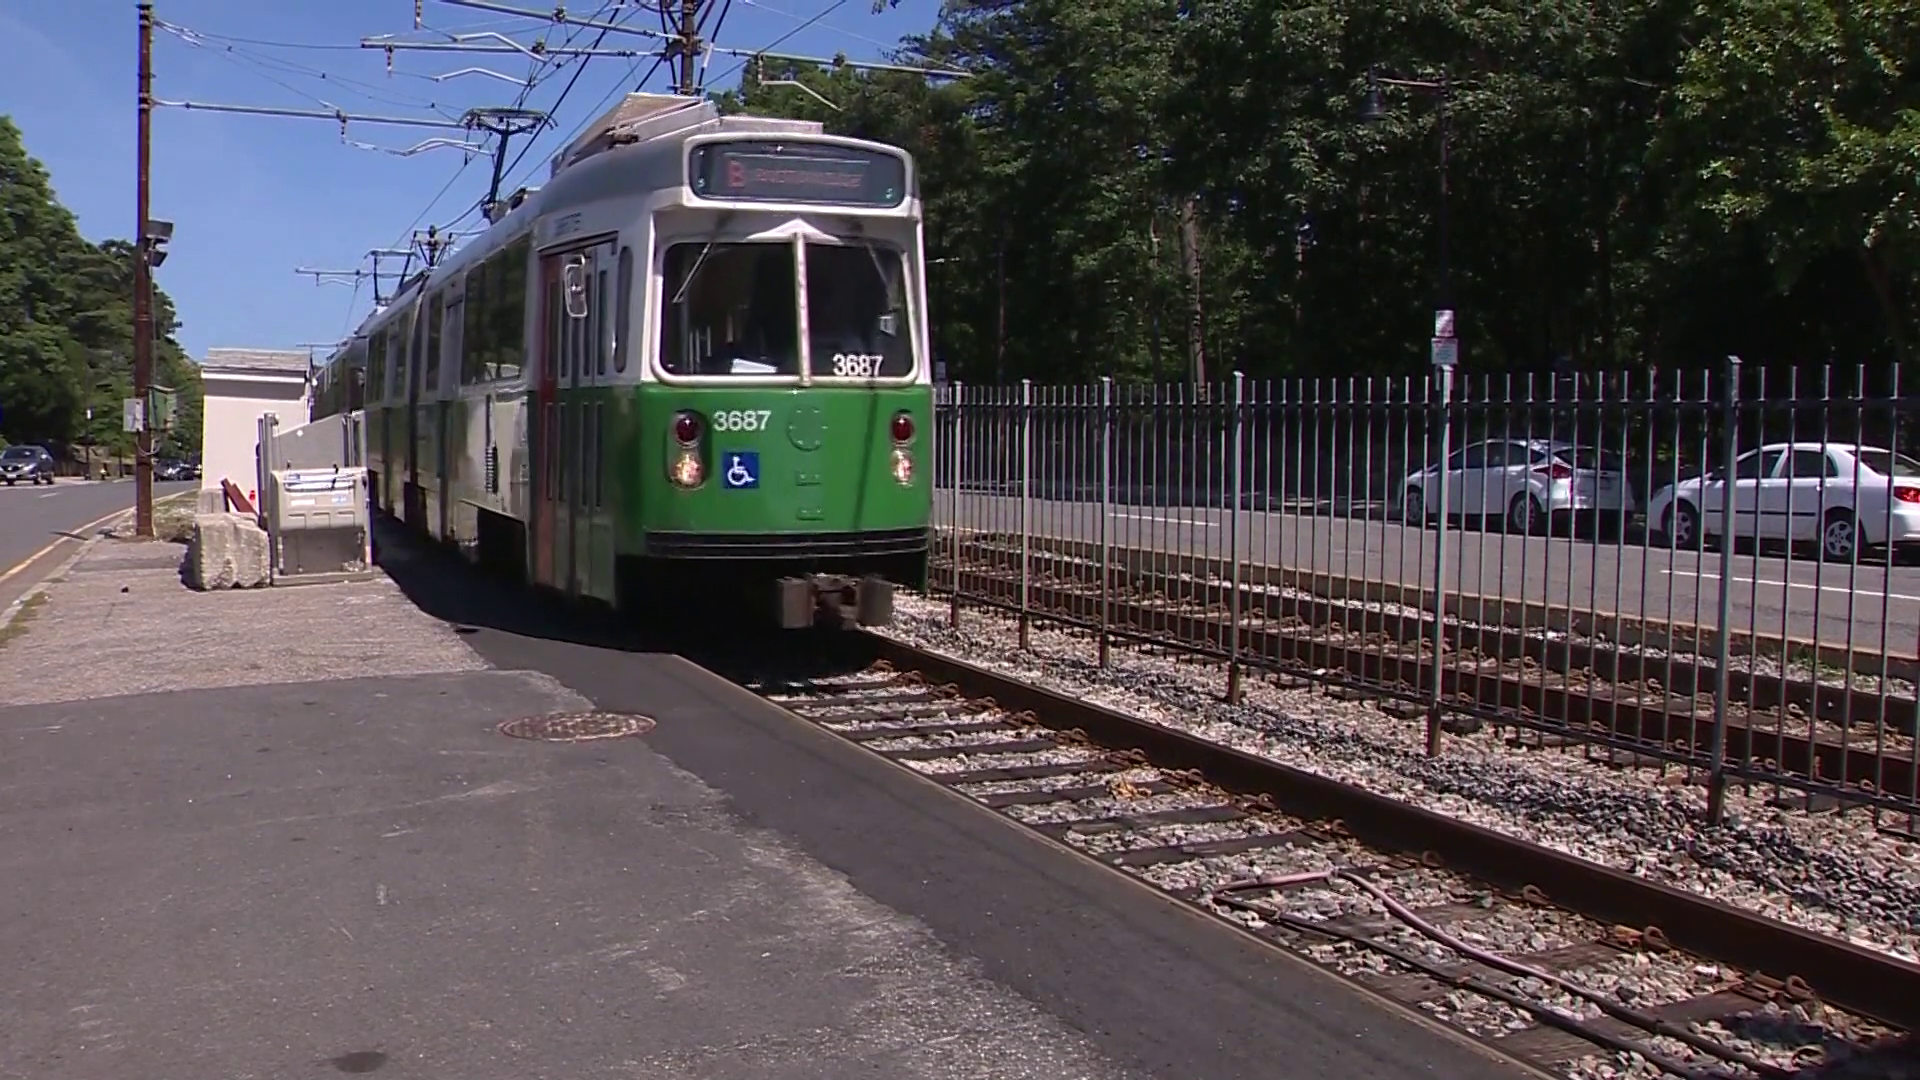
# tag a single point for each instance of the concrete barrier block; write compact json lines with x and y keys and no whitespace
{"x":252,"y":565}
{"x":210,"y":553}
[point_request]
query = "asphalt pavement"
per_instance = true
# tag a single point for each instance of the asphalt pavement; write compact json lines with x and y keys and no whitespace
{"x":1838,"y":605}
{"x":34,"y":519}
{"x":316,"y":854}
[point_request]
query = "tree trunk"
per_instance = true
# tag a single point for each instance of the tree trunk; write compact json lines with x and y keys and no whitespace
{"x":1196,"y":312}
{"x":1155,"y":297}
{"x":1000,"y":331}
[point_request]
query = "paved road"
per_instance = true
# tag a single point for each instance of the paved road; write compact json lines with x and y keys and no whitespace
{"x":1861,"y":605}
{"x":31,"y":518}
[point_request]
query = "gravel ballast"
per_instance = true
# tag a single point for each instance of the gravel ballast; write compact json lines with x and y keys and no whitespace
{"x":1832,"y":873}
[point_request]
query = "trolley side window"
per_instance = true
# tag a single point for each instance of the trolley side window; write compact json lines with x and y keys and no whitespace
{"x":728,"y":309}
{"x":857,"y":325}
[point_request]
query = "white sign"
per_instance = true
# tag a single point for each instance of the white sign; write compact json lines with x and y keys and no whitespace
{"x":1443,"y":323}
{"x":1446,"y":352}
{"x":133,"y":414}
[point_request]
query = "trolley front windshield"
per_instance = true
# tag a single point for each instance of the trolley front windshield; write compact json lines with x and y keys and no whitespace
{"x":731,"y":309}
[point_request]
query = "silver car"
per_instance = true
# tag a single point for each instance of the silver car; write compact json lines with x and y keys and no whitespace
{"x":1526,"y":483}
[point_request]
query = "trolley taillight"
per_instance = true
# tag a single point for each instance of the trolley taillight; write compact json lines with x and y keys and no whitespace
{"x":902,"y":431}
{"x":686,"y":428}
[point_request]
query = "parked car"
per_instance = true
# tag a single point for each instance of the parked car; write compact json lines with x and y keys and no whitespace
{"x":30,"y":463}
{"x":1842,"y":498}
{"x":1526,"y":483}
{"x":176,"y":470}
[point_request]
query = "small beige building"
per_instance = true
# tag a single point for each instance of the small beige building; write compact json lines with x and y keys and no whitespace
{"x":242,"y":385}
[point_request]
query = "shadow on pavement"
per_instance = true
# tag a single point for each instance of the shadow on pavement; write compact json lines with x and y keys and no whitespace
{"x":445,"y":586}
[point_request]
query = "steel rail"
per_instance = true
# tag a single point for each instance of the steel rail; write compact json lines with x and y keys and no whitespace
{"x":1786,"y":961}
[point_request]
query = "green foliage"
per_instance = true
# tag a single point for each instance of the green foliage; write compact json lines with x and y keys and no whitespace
{"x":1631,"y":185}
{"x":66,"y":323}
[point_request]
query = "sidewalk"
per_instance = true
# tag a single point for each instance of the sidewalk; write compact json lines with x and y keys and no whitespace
{"x":275,"y":833}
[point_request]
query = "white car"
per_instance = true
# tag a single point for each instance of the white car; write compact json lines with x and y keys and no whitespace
{"x":1841,"y":497}
{"x":1526,"y":483}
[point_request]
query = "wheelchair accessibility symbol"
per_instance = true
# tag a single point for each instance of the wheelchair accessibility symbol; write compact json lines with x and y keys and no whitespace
{"x":742,"y":471}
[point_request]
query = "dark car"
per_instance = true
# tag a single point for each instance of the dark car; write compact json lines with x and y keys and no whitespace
{"x":176,"y":470}
{"x":32,"y":463}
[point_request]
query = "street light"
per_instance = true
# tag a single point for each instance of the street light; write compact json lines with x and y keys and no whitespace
{"x":158,"y":233}
{"x":1445,"y":354}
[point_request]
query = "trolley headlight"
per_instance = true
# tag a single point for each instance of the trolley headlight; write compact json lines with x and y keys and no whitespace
{"x":902,"y":467}
{"x":687,"y":472}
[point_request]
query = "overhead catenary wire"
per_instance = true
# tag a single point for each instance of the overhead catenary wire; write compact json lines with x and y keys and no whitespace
{"x":783,"y":38}
{"x":269,"y":66}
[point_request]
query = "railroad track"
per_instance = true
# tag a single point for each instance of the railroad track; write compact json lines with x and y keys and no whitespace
{"x":1399,"y":900}
{"x":1658,"y":709}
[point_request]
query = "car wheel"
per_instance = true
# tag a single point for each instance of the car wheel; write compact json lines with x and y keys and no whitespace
{"x":1681,"y":523}
{"x":1523,"y":515}
{"x":1414,"y":510}
{"x":1840,"y":537}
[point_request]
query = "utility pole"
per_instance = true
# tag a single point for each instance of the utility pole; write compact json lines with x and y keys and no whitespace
{"x":687,"y":43}
{"x":143,"y":282}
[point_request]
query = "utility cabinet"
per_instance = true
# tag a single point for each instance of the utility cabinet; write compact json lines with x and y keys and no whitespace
{"x":318,"y":527}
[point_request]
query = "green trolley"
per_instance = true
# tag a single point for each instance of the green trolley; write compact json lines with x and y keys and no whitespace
{"x":691,"y":368}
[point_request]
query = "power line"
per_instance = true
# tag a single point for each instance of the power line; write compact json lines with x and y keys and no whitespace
{"x":564,"y":91}
{"x":776,"y":42}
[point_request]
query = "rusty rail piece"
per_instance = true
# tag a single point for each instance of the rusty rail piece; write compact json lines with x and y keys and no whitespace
{"x":1666,"y":723}
{"x":1777,"y":959}
{"x":1492,"y":611}
{"x":236,"y":499}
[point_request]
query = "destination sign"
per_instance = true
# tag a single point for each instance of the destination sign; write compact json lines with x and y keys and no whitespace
{"x":797,"y":172}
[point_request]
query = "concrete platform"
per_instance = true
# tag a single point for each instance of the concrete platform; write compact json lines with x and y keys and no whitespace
{"x":301,"y":873}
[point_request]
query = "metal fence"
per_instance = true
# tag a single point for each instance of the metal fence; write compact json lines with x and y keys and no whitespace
{"x":1693,"y":571}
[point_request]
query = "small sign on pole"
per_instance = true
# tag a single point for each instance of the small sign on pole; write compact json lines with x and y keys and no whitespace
{"x":133,"y":414}
{"x":1446,"y":352}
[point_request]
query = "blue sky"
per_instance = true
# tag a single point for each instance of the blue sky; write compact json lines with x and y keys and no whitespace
{"x":253,"y":197}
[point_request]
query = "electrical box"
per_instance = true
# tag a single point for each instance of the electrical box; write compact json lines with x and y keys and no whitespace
{"x":318,"y":526}
{"x":161,"y":402}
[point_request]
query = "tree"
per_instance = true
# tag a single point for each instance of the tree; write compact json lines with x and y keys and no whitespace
{"x":1126,"y":187}
{"x":66,"y":321}
{"x":1796,"y":128}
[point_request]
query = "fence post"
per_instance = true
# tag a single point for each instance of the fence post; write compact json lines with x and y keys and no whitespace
{"x":1106,"y":510}
{"x":1234,"y":470}
{"x":958,"y":394}
{"x":1026,"y":509}
{"x":1723,"y":622}
{"x":1436,"y":698}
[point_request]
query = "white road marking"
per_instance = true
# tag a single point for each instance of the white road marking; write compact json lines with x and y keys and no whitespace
{"x":1163,"y":520}
{"x":1841,"y":589}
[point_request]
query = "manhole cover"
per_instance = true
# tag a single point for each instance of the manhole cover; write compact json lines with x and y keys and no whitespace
{"x":577,"y":727}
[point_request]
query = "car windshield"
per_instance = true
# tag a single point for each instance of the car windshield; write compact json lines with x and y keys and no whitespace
{"x":1885,"y":463}
{"x":857,"y":312}
{"x":18,"y":453}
